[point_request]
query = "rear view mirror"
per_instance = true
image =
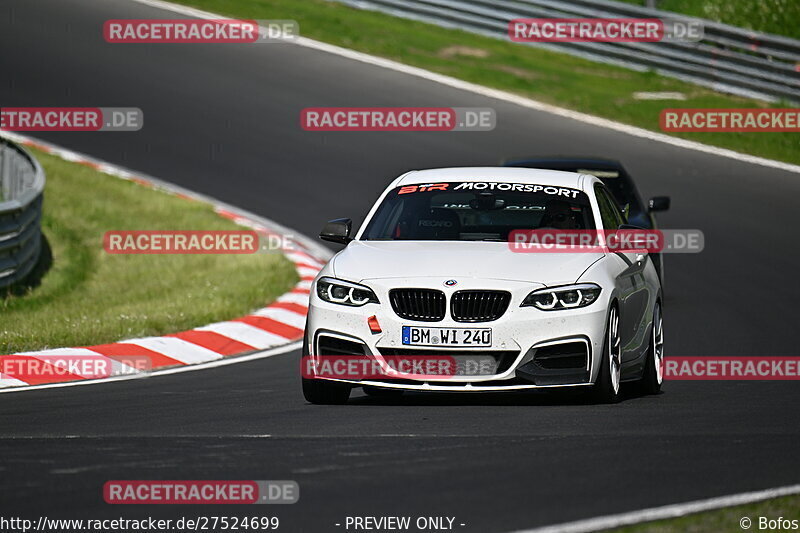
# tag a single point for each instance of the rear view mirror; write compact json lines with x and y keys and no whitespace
{"x":337,"y":231}
{"x":658,"y":203}
{"x":486,"y":201}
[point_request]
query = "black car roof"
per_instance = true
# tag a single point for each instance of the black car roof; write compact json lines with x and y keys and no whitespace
{"x":596,"y":162}
{"x":622,"y":186}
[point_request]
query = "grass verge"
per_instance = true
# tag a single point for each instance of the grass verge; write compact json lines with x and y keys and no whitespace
{"x":559,"y":79}
{"x":725,"y":520}
{"x":772,"y":16}
{"x":91,"y":297}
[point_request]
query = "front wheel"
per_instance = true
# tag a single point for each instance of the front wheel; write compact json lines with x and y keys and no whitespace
{"x":606,"y":387}
{"x":653,"y":375}
{"x":321,"y":392}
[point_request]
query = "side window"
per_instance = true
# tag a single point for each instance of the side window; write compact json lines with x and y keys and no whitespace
{"x":615,"y":209}
{"x":609,"y":212}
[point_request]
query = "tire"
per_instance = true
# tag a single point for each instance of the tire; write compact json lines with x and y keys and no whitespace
{"x":653,"y":375}
{"x":658,"y":264}
{"x":609,"y":378}
{"x":380,"y":392}
{"x":321,"y":392}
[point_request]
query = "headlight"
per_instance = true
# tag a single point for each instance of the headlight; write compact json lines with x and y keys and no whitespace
{"x":564,"y":297}
{"x":342,"y":292}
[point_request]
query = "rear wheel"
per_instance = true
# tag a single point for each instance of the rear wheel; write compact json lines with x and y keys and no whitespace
{"x":609,"y":377}
{"x":653,"y":375}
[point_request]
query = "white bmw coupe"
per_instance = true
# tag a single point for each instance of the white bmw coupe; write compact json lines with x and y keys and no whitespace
{"x":431,"y":276}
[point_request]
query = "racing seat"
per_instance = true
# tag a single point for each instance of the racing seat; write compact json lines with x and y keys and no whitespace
{"x":438,"y":224}
{"x":558,"y":214}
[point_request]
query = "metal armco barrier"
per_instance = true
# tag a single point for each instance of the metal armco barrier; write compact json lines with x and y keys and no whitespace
{"x":21,"y":191}
{"x":728,"y":59}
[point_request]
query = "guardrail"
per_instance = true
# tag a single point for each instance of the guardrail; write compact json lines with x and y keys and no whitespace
{"x":21,"y":191}
{"x":728,"y":59}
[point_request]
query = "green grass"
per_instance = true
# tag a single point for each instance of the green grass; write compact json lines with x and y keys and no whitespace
{"x":91,"y":297}
{"x":724,"y":520}
{"x":551,"y":77}
{"x":781,"y":17}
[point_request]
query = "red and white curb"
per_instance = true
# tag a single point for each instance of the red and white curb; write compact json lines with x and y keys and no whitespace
{"x":277,"y":325}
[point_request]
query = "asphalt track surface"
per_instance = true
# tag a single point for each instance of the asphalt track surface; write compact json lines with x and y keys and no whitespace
{"x":224,"y":120}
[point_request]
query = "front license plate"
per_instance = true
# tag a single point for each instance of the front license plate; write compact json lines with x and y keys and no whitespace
{"x":463,"y":337}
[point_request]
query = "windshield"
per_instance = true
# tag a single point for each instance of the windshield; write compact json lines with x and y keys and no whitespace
{"x":476,"y":211}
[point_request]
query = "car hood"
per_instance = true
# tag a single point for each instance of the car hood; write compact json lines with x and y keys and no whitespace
{"x":365,"y":260}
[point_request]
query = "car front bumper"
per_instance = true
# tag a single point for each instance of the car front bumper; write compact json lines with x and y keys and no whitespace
{"x":533,"y":348}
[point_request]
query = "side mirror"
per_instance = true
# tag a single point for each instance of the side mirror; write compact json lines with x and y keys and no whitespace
{"x":658,"y":203}
{"x":640,"y":253}
{"x":337,"y":231}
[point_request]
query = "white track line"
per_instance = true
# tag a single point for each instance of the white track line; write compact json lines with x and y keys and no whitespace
{"x":498,"y":94}
{"x":667,"y":511}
